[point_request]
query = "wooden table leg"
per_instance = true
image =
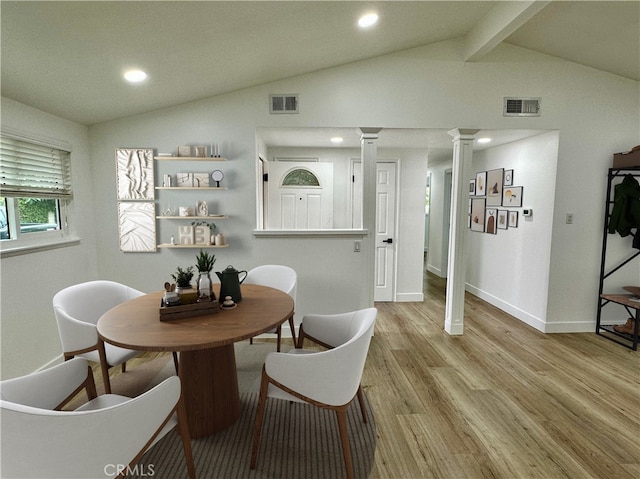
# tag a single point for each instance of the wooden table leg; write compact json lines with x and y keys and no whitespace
{"x":210,"y":389}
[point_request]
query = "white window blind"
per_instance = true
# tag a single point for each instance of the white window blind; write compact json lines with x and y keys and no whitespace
{"x":31,"y":170}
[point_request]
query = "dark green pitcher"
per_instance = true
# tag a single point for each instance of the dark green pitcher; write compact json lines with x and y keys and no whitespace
{"x":230,"y":283}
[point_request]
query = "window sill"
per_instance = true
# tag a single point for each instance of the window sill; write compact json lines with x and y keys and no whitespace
{"x":8,"y":251}
{"x":309,"y":233}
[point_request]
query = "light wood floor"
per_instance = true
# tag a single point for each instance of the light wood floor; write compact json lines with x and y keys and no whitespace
{"x":501,"y":401}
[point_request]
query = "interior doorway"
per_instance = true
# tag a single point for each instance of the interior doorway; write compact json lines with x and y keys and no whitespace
{"x":386,"y":223}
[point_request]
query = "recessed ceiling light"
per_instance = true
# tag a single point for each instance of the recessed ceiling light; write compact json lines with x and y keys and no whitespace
{"x":135,"y":76}
{"x":337,"y":139}
{"x":368,"y":20}
{"x":484,"y":140}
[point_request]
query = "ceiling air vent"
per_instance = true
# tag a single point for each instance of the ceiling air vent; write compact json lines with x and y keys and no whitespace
{"x":283,"y":103}
{"x":521,"y":106}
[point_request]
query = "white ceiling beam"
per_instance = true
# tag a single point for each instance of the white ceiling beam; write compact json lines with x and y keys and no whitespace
{"x":503,"y":19}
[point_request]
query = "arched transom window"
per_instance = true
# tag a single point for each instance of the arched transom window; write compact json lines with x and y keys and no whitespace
{"x":300,"y":177}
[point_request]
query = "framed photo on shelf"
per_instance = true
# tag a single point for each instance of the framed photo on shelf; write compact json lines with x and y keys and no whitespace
{"x":200,"y":151}
{"x":201,"y":180}
{"x":512,"y":196}
{"x":477,"y":214}
{"x":513,"y":219}
{"x":472,"y":187}
{"x":494,"y":187}
{"x":503,"y":219}
{"x":184,"y":180}
{"x":184,"y":151}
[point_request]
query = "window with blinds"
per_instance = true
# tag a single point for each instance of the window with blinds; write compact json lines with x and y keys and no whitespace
{"x":35,"y":187}
{"x":32,"y":170}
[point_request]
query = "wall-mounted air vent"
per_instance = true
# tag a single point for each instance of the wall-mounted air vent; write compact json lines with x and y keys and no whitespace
{"x":521,"y":106}
{"x":283,"y":103}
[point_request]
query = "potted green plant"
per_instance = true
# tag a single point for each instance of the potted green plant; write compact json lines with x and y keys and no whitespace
{"x":204,"y":263}
{"x":183,"y":279}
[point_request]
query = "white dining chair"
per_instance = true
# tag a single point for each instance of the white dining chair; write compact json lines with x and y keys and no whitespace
{"x":104,"y":437}
{"x":328,"y":331}
{"x":280,"y":277}
{"x":77,"y":309}
{"x":327,"y":379}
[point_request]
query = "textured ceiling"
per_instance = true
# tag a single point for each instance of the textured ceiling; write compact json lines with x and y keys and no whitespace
{"x":67,"y":58}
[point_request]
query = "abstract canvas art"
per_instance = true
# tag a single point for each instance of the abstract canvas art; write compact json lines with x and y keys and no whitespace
{"x":134,"y":174}
{"x":137,"y":226}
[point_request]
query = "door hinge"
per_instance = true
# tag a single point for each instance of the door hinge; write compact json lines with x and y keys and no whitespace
{"x":265,"y":177}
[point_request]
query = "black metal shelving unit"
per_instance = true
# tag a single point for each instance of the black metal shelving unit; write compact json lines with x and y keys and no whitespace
{"x":633,"y":309}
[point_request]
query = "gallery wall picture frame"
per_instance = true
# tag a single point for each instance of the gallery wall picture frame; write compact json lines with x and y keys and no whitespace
{"x":481,"y":183}
{"x":512,"y":196}
{"x":477,"y":214}
{"x":503,"y":219}
{"x":494,"y":187}
{"x":137,"y":226}
{"x":472,"y":187}
{"x":134,"y":174}
{"x":508,"y":178}
{"x":513,"y":219}
{"x":491,"y":218}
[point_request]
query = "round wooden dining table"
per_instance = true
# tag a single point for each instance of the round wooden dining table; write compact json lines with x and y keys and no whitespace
{"x":207,"y":364}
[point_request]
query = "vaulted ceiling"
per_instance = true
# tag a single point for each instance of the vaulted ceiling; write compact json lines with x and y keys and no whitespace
{"x":67,"y":58}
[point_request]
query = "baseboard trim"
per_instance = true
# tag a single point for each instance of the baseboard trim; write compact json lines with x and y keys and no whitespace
{"x":410,"y":297}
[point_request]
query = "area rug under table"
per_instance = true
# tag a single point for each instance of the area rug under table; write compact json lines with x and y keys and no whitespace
{"x":299,"y":441}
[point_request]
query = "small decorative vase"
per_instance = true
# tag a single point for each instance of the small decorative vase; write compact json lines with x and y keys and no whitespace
{"x":205,"y":292}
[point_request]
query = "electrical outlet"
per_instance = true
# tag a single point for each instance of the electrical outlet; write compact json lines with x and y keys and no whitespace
{"x":569,"y":219}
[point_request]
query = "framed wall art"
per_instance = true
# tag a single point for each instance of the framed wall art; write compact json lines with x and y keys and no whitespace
{"x":137,"y":226}
{"x":512,"y":196}
{"x":481,"y":183}
{"x":134,"y":174}
{"x":472,"y":187}
{"x":184,"y":180}
{"x":490,"y":221}
{"x":201,"y":180}
{"x":513,"y":219}
{"x":184,"y":151}
{"x":503,"y":219}
{"x":494,"y":187}
{"x":508,"y":178}
{"x":477,"y":214}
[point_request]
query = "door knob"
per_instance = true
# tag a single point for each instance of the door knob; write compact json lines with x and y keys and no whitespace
{"x":388,"y":240}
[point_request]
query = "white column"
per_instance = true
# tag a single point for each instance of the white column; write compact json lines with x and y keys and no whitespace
{"x":456,"y":269}
{"x":369,"y":158}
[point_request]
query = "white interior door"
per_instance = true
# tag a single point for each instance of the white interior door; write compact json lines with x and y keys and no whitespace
{"x":385,"y":231}
{"x":303,"y":206}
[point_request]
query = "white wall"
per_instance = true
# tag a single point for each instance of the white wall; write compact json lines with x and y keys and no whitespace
{"x":29,"y":281}
{"x":596,"y":114}
{"x":511,"y":268}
